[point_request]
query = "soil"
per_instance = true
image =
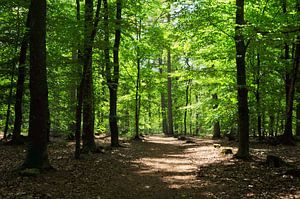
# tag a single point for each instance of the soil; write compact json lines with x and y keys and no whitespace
{"x":157,"y":167}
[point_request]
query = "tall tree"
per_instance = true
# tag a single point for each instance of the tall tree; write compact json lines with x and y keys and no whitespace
{"x":243,"y":112}
{"x":79,"y":94}
{"x":288,"y":134}
{"x":188,"y":82}
{"x":163,"y":103}
{"x":138,"y":80}
{"x":37,"y":154}
{"x":112,"y":69}
{"x":169,"y":65}
{"x":90,"y":29}
{"x":16,"y":137}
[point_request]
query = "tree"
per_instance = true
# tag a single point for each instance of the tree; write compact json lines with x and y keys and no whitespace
{"x":138,"y":82}
{"x":169,"y":64}
{"x":37,"y":155}
{"x":78,"y":113}
{"x":16,"y":136}
{"x":243,"y":117}
{"x":112,"y":69}
{"x":90,"y":30}
{"x":163,"y":104}
{"x":288,"y":134}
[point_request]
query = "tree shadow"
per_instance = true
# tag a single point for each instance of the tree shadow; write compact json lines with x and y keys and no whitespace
{"x":156,"y":168}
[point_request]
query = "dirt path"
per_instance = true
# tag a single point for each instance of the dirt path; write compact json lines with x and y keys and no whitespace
{"x":156,"y":168}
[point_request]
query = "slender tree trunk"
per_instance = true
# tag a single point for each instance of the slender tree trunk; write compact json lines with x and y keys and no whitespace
{"x":216,"y":128}
{"x":271,"y":124}
{"x":79,"y":92}
{"x":186,"y":104}
{"x":170,"y":111}
{"x":37,"y":155}
{"x":137,"y":95}
{"x":257,"y":96}
{"x":112,"y":73}
{"x":113,"y":117}
{"x":16,"y":138}
{"x":149,"y":114}
{"x":9,"y":101}
{"x":243,"y":115}
{"x":163,"y":104}
{"x":197,"y":118}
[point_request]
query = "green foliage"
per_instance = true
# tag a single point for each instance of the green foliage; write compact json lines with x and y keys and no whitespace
{"x":201,"y":36}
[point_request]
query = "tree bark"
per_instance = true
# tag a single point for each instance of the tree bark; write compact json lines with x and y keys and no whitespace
{"x":298,"y":120}
{"x":163,"y":104}
{"x":37,"y":154}
{"x":78,"y":113}
{"x":257,"y":96}
{"x":216,"y":128}
{"x":88,"y":142}
{"x":197,"y":117}
{"x":137,"y":87}
{"x":243,"y":112}
{"x":288,"y":134}
{"x":170,"y":111}
{"x":90,"y":29}
{"x":186,"y":104}
{"x":115,"y":82}
{"x":16,"y":137}
{"x":112,"y":73}
{"x":9,"y":101}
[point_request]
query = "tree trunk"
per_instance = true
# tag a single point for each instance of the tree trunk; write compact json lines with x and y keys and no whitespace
{"x":163,"y":105}
{"x":170,"y":111}
{"x":271,"y":124}
{"x":90,"y":29}
{"x":243,"y":115}
{"x":257,"y":96}
{"x":137,"y":95}
{"x":78,"y":113}
{"x":197,"y":118}
{"x":112,"y":73}
{"x":216,"y":129}
{"x":137,"y":105}
{"x":9,"y":101}
{"x":16,"y":137}
{"x":288,"y":134}
{"x":37,"y":155}
{"x":114,"y":86}
{"x":113,"y":123}
{"x":298,"y":120}
{"x":88,"y":142}
{"x":186,"y":104}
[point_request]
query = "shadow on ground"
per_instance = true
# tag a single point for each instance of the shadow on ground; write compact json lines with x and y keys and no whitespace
{"x":156,"y":168}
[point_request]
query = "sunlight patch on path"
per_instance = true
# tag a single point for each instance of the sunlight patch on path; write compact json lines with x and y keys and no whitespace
{"x":176,"y":162}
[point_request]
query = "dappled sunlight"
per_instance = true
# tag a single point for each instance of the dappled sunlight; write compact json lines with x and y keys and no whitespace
{"x":178,"y":169}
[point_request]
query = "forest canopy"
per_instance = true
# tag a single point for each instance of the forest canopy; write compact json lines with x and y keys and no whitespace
{"x":222,"y":67}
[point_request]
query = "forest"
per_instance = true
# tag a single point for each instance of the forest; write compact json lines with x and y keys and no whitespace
{"x":149,"y":99}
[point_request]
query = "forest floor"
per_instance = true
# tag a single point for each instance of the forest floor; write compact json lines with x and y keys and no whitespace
{"x":157,"y":167}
